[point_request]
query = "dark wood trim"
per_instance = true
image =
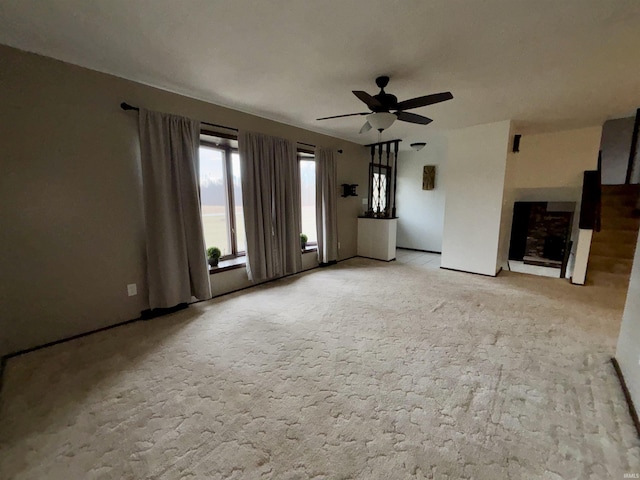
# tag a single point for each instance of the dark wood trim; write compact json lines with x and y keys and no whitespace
{"x":627,"y":395}
{"x":474,"y":273}
{"x":68,"y":339}
{"x":418,"y":250}
{"x":3,"y":363}
{"x":328,"y":264}
{"x":395,"y":179}
{"x":240,"y":262}
{"x":634,"y":147}
{"x":228,"y":136}
{"x":226,"y":268}
{"x":379,"y":260}
{"x":382,"y":143}
{"x":159,"y":312}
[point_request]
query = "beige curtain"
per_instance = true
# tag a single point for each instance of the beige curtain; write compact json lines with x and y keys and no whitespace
{"x":176,"y":258}
{"x":271,"y":199}
{"x":326,"y":205}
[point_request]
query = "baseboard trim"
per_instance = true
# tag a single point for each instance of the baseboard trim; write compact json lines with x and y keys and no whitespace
{"x":159,"y":312}
{"x":5,"y":358}
{"x":473,"y":273}
{"x":68,"y":339}
{"x":627,"y":395}
{"x":377,"y":259}
{"x":3,"y":362}
{"x":145,"y":315}
{"x":327,"y":264}
{"x":418,"y":250}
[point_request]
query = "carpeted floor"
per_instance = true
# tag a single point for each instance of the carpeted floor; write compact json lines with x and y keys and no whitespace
{"x":364,"y":370}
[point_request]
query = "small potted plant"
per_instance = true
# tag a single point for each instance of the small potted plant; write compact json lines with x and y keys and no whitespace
{"x":213,"y":255}
{"x":303,"y":241}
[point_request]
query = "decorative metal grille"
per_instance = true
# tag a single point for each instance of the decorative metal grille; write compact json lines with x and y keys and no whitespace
{"x":379,"y":203}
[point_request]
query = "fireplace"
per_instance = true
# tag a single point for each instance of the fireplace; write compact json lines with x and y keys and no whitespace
{"x":541,"y":233}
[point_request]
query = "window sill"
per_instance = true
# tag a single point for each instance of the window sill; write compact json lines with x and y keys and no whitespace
{"x":240,"y":262}
{"x":226,"y":265}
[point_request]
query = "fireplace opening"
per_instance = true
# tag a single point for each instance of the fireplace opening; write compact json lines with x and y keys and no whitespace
{"x":541,"y":237}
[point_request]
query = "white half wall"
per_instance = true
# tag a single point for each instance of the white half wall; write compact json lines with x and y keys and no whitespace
{"x":474,"y":183}
{"x":628,"y":351}
{"x":581,"y":258}
{"x":421,"y":212}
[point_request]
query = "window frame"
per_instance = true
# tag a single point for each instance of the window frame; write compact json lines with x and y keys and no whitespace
{"x":384,"y":170}
{"x":227,"y":150}
{"x":308,"y":156}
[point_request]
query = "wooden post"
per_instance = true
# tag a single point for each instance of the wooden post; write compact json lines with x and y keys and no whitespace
{"x":634,"y":147}
{"x":387,"y":179}
{"x":395,"y":177}
{"x":370,"y":199}
{"x":379,"y":175}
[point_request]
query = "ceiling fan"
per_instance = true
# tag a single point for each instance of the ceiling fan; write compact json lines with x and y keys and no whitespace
{"x":380,"y":117}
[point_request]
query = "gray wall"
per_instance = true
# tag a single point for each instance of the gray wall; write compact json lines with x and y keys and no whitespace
{"x":71,"y":232}
{"x":628,"y":351}
{"x":615,"y":146}
{"x":421,"y":212}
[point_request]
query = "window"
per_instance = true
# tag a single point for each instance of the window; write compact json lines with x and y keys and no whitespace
{"x":308,"y":196}
{"x":221,"y":196}
{"x":379,"y":187}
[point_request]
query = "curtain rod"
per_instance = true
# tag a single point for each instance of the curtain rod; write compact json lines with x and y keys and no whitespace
{"x":126,"y":106}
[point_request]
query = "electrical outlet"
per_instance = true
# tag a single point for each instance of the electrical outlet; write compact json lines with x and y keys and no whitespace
{"x":132,"y":289}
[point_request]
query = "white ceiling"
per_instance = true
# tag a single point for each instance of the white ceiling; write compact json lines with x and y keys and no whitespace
{"x":546,"y":64}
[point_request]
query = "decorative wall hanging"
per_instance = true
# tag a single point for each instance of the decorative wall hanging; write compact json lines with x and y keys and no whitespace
{"x":429,"y":177}
{"x":349,"y":190}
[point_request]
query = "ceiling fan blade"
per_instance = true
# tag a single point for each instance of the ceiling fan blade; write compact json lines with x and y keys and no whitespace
{"x":347,"y":115}
{"x":371,"y":102}
{"x":413,"y":118}
{"x":424,"y":101}
{"x":365,"y":128}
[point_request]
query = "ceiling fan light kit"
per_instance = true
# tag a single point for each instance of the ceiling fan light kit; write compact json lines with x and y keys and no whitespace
{"x":381,"y":120}
{"x":380,"y":115}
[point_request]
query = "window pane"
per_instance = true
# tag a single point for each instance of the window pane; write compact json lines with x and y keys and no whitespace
{"x":215,"y":220}
{"x":379,"y":192}
{"x":237,"y":199}
{"x":308,"y":196}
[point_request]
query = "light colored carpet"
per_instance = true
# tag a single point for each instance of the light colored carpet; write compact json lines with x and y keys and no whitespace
{"x":365,"y":370}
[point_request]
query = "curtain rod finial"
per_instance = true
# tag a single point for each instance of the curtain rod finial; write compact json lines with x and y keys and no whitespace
{"x":126,"y":106}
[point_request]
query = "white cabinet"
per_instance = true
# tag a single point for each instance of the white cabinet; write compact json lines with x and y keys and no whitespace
{"x":377,"y":238}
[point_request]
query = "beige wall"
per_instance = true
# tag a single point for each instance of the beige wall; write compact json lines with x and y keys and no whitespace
{"x":548,"y":167}
{"x":557,"y":159}
{"x":71,"y":237}
{"x":473,"y":207}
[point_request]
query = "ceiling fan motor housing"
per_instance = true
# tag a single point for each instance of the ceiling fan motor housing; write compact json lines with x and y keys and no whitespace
{"x":387,"y":100}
